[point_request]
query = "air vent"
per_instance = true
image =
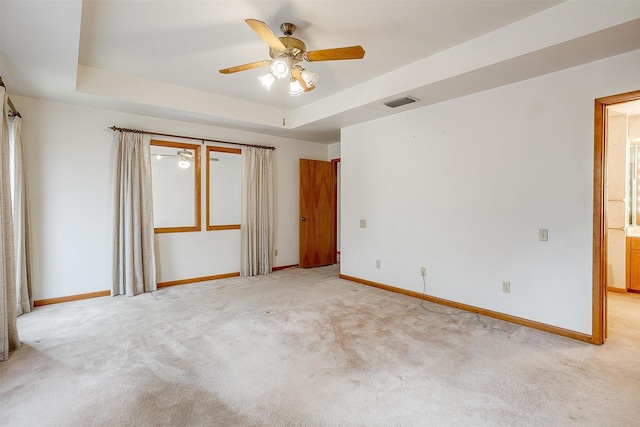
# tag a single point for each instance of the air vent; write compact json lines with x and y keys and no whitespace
{"x":400,"y":102}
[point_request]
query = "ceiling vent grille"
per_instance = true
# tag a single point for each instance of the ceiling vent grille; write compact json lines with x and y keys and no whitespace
{"x":400,"y":102}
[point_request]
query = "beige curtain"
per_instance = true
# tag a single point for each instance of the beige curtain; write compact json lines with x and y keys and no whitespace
{"x":134,"y":267}
{"x":257,"y":212}
{"x":9,"y":339}
{"x":20,"y":219}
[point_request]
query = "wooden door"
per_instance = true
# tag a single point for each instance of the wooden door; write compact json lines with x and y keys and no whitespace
{"x":317,"y":213}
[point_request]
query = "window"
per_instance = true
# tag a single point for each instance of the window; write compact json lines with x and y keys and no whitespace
{"x":175,"y":171}
{"x":224,"y":188}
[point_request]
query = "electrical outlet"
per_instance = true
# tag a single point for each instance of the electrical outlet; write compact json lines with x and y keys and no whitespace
{"x":506,"y":287}
{"x":377,"y":263}
{"x":275,"y":252}
{"x":363,"y":223}
{"x":423,"y":271}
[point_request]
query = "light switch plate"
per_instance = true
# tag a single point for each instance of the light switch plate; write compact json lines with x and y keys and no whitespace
{"x":543,"y":235}
{"x":506,"y":287}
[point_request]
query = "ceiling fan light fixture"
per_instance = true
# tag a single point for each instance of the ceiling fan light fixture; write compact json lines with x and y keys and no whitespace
{"x":280,"y":68}
{"x":186,"y":157}
{"x":295,"y":88}
{"x":267,"y":80}
{"x":309,"y":77}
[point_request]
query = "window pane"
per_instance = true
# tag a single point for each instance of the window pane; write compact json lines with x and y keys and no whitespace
{"x":175,"y":194}
{"x":224,"y":187}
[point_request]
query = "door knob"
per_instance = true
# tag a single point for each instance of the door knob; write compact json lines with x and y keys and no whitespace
{"x":303,"y":218}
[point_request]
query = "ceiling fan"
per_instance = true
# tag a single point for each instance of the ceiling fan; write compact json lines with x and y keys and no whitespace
{"x":185,"y":158}
{"x":286,"y":53}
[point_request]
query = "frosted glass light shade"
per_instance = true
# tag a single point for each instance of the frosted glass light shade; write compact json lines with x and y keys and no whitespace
{"x":267,"y":80}
{"x":309,"y":78}
{"x":280,"y":69}
{"x":295,"y":88}
{"x":184,"y":164}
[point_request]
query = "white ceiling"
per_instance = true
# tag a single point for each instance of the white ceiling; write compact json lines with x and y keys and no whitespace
{"x":162,"y":58}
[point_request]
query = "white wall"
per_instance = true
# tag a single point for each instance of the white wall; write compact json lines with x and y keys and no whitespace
{"x":69,"y":154}
{"x":334,"y":151}
{"x":462,"y":188}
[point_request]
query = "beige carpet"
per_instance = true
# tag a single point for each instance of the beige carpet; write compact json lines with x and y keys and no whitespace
{"x":304,"y":348}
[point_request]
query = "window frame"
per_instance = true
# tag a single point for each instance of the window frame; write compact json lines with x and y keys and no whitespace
{"x":197,"y":187}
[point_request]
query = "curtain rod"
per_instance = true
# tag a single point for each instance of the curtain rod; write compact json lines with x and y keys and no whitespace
{"x":115,"y":128}
{"x":11,"y":106}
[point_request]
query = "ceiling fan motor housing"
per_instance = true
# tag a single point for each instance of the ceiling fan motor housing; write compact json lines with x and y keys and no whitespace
{"x":295,"y":49}
{"x":185,"y":155}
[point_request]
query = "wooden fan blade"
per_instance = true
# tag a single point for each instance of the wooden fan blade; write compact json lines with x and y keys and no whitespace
{"x":297,"y":74}
{"x":245,"y":66}
{"x":266,"y":34}
{"x":351,"y":52}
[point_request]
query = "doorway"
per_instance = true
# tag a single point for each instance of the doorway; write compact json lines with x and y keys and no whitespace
{"x":600,"y":217}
